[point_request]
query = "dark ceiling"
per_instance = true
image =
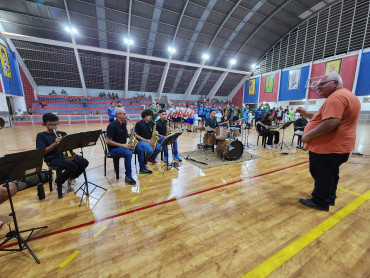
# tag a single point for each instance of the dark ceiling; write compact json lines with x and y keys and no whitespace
{"x":226,"y":29}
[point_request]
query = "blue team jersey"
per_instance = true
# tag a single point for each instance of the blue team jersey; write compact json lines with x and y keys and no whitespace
{"x":200,"y":111}
{"x":207,"y":112}
{"x":110,"y":111}
{"x":259,"y":113}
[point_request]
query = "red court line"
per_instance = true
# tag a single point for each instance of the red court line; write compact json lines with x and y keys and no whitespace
{"x":151,"y":206}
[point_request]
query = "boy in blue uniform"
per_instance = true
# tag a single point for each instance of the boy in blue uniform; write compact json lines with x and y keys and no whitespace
{"x":110,"y":112}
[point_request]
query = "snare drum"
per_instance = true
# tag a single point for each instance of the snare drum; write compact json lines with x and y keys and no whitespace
{"x":230,"y":149}
{"x":221,"y":133}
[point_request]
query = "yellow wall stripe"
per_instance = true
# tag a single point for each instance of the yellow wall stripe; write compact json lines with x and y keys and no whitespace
{"x":289,"y":251}
{"x":99,"y":232}
{"x":69,"y":259}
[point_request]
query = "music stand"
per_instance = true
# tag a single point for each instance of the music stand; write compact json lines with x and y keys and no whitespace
{"x":169,"y":140}
{"x":17,"y":166}
{"x":76,"y":141}
{"x":201,"y":147}
{"x":282,"y":144}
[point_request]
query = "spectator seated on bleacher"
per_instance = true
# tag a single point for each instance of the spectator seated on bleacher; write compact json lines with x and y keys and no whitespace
{"x":43,"y":103}
{"x":19,"y":114}
{"x":63,"y":92}
{"x":52,"y":93}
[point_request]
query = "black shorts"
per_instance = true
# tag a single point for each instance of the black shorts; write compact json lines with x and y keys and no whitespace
{"x":280,"y":118}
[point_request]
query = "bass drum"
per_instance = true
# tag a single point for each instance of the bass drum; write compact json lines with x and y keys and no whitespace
{"x":230,"y":149}
{"x":209,"y":139}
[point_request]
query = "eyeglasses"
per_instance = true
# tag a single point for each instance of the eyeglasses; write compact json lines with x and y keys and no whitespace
{"x":323,"y":83}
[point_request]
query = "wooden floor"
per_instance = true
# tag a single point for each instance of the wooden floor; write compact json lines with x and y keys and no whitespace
{"x":221,"y":222}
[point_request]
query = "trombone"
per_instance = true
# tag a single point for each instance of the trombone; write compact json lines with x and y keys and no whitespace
{"x":69,"y":156}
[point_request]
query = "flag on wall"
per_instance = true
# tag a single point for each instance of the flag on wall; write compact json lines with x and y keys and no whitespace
{"x":269,"y":87}
{"x":252,"y":87}
{"x":333,"y":66}
{"x":5,"y":65}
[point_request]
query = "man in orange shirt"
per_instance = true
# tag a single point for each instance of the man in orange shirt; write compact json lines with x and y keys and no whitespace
{"x":330,"y":137}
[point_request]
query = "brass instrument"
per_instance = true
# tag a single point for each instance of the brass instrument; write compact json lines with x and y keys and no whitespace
{"x":168,"y":130}
{"x":69,"y":156}
{"x":132,"y":141}
{"x":154,"y":137}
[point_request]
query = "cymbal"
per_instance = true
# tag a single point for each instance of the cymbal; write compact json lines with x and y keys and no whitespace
{"x":201,"y":128}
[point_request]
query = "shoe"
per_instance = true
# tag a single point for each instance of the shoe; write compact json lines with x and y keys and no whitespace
{"x":268,"y":147}
{"x":332,"y":203}
{"x":1,"y":224}
{"x":311,"y":204}
{"x":153,"y":161}
{"x":71,"y":182}
{"x":145,"y":171}
{"x":276,"y":146}
{"x":177,"y":158}
{"x":130,"y":181}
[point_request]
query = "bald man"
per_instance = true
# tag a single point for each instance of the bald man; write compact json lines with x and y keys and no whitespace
{"x":330,"y":137}
{"x":117,"y":141}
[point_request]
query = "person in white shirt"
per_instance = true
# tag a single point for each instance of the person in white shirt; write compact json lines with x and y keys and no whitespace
{"x":296,"y":116}
{"x":218,"y":116}
{"x":285,"y":117}
{"x":172,"y":111}
{"x":19,"y":114}
{"x":177,"y":116}
{"x":197,"y":118}
{"x":184,"y":117}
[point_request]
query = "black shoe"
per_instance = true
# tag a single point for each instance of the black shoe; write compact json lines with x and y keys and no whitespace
{"x":130,"y":181}
{"x":332,"y":203}
{"x":145,"y":171}
{"x":311,"y":204}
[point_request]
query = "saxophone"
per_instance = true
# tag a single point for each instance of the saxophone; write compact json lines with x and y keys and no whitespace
{"x":132,"y":141}
{"x":168,"y":130}
{"x":154,"y":137}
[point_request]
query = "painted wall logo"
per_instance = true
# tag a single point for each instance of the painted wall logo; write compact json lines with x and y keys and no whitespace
{"x":5,"y":66}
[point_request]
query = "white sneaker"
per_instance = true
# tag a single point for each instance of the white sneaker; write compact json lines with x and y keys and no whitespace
{"x":276,"y":146}
{"x":71,"y":182}
{"x":64,"y":187}
{"x":268,"y":147}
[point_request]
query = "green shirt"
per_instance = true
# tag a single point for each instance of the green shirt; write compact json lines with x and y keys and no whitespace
{"x":155,"y":116}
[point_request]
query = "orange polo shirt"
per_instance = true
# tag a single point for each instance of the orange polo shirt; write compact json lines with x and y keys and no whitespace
{"x":344,"y":105}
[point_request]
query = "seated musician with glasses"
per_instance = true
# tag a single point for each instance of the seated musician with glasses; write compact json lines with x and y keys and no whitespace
{"x":299,"y":126}
{"x":117,"y":142}
{"x":263,"y":128}
{"x":143,"y":133}
{"x":162,"y":134}
{"x":67,"y":171}
{"x":211,"y":122}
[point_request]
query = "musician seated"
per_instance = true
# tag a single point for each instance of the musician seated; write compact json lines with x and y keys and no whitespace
{"x":263,"y":128}
{"x":299,"y":126}
{"x":67,"y":171}
{"x":117,"y":142}
{"x":211,"y":122}
{"x":162,"y":134}
{"x":143,"y":133}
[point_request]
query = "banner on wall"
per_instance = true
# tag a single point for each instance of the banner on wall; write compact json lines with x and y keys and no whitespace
{"x":5,"y":65}
{"x":269,"y":87}
{"x":294,"y":76}
{"x":333,"y":66}
{"x":252,"y":87}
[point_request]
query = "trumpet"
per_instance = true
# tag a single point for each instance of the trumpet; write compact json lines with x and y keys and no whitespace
{"x":67,"y":154}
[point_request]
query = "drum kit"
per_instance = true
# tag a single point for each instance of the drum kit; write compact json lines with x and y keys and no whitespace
{"x":227,"y":144}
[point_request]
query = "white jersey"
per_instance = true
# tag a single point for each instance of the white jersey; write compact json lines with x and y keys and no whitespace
{"x":184,"y":112}
{"x":196,"y":119}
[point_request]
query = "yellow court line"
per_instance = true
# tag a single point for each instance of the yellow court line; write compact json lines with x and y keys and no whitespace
{"x":150,"y":180}
{"x":99,"y":232}
{"x":144,"y":188}
{"x":296,"y":246}
{"x":122,"y":210}
{"x":133,"y":199}
{"x":69,"y":259}
{"x":156,"y":173}
{"x":345,"y":190}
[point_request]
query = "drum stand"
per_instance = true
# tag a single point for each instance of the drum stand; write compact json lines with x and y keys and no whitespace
{"x":246,"y":139}
{"x":201,"y":145}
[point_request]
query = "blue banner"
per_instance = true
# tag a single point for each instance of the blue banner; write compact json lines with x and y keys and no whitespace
{"x":10,"y":73}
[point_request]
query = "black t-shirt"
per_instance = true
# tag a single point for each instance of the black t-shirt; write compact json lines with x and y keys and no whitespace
{"x":211,"y":123}
{"x":162,"y":127}
{"x":300,"y":123}
{"x":45,"y":139}
{"x":144,"y":129}
{"x":117,"y":132}
{"x":265,"y":121}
